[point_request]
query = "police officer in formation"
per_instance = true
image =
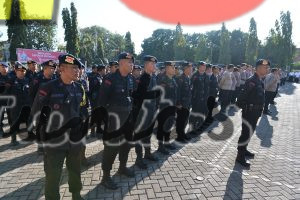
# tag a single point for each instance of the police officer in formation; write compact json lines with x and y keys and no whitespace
{"x":115,"y":95}
{"x":119,"y":92}
{"x":184,"y":101}
{"x":31,"y":71}
{"x":146,"y":116}
{"x":200,"y":84}
{"x":168,"y":98}
{"x":19,"y":88}
{"x":66,"y":96}
{"x":3,"y":85}
{"x":251,"y":101}
{"x":270,"y":82}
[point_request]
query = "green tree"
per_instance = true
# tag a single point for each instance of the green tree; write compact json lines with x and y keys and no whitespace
{"x":41,"y":35}
{"x":252,"y":43}
{"x":288,"y":48}
{"x":74,"y":31}
{"x":214,"y":38}
{"x":71,"y":30}
{"x":16,"y":28}
{"x":129,"y":45}
{"x":238,"y":46}
{"x":160,"y":44}
{"x":179,"y":43}
{"x":203,"y":51}
{"x":224,"y":56}
{"x":67,"y":26}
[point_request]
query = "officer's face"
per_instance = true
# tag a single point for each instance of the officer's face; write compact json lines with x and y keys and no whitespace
{"x":32,"y":67}
{"x":20,"y":73}
{"x":151,"y":67}
{"x":49,"y":71}
{"x":263,"y":70}
{"x":170,"y":70}
{"x":3,"y":70}
{"x":70,"y":71}
{"x":188,"y":71}
{"x":127,"y":65}
{"x":136,"y":72}
{"x":113,"y":69}
{"x":202,"y":68}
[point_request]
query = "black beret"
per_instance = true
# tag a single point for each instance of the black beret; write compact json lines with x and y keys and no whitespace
{"x":69,"y":59}
{"x":31,"y":62}
{"x":19,"y":65}
{"x":95,"y":66}
{"x":262,"y":62}
{"x":169,"y":63}
{"x":125,"y":55}
{"x":230,"y":66}
{"x":208,"y":65}
{"x":186,"y":65}
{"x":50,"y":63}
{"x":201,"y":63}
{"x":150,"y":58}
{"x":113,"y":63}
{"x":101,"y":67}
{"x":137,"y":67}
{"x":4,"y":64}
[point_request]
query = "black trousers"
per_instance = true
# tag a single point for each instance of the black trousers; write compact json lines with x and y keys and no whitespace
{"x":53,"y":165}
{"x":268,"y":99}
{"x":23,"y":117}
{"x":111,"y":149}
{"x":250,"y":116}
{"x":181,"y":122}
{"x":225,"y":96}
{"x":139,"y":147}
{"x":165,"y":123}
{"x":146,"y":118}
{"x":117,"y":145}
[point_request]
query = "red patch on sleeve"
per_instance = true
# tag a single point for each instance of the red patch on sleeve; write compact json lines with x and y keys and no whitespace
{"x":43,"y":93}
{"x":107,"y":82}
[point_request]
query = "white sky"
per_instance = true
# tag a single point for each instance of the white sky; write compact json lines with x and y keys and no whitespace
{"x":116,"y":17}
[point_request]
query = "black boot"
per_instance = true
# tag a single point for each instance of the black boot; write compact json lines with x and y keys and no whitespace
{"x":14,"y":141}
{"x":249,"y":154}
{"x":76,"y":196}
{"x":107,"y":181}
{"x":170,"y":146}
{"x":1,"y":131}
{"x":140,"y":163}
{"x":149,"y":156}
{"x":162,"y":149}
{"x":30,"y":137}
{"x":123,"y":170}
{"x":242,"y":160}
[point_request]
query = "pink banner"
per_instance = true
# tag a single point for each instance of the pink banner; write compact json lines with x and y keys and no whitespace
{"x":37,"y":55}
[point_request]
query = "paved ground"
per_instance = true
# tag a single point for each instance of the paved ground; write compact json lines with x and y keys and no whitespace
{"x":203,"y":169}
